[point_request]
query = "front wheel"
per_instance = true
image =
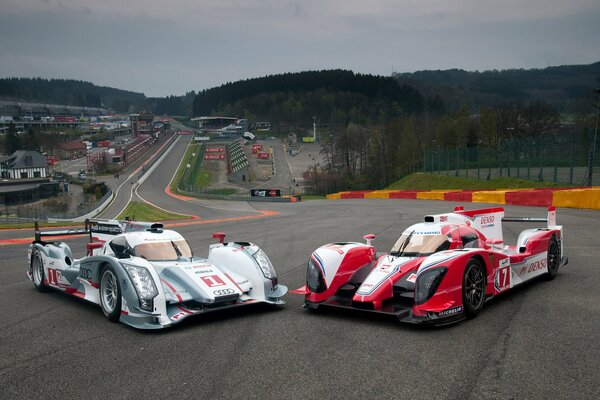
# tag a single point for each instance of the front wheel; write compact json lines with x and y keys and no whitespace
{"x":110,"y":294}
{"x":37,"y":271}
{"x":473,"y":290}
{"x":553,"y":260}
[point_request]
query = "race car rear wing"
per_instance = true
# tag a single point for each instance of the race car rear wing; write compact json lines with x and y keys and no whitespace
{"x":550,"y":220}
{"x":40,"y":235}
{"x":100,"y":230}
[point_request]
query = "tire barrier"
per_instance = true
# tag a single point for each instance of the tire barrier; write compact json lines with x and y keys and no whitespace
{"x":586,"y":198}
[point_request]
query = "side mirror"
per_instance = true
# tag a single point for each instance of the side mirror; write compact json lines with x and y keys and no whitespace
{"x":369,"y":238}
{"x":93,"y":246}
{"x":495,"y":243}
{"x":220,"y":236}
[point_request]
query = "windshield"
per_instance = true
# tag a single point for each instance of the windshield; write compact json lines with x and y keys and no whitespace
{"x":416,"y":244}
{"x":163,"y":251}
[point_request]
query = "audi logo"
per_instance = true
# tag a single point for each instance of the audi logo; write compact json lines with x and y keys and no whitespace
{"x":223,"y":292}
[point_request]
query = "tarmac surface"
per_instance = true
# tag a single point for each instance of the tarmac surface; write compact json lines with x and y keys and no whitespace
{"x":539,"y":341}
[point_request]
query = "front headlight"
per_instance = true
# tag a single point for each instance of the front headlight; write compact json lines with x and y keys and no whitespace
{"x":314,"y":278}
{"x":143,"y":283}
{"x":427,"y":284}
{"x":265,"y":265}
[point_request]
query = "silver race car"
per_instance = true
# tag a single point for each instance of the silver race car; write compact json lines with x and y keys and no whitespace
{"x":147,"y":277}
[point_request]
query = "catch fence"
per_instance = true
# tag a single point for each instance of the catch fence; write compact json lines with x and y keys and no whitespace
{"x":572,"y":159}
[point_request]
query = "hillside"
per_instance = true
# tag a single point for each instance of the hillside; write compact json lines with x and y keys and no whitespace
{"x":80,"y":93}
{"x":334,"y":96}
{"x":563,"y":87}
{"x":67,"y":92}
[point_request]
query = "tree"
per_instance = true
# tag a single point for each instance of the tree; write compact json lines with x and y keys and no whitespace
{"x":538,"y":117}
{"x":488,"y":124}
{"x":12,"y":142}
{"x":32,"y":140}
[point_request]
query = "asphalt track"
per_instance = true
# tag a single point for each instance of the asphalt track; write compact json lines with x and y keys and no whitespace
{"x":540,"y":341}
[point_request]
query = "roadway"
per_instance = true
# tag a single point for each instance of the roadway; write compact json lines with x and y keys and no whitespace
{"x":540,"y":341}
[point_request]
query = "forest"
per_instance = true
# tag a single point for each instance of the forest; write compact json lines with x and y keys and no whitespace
{"x":334,"y":96}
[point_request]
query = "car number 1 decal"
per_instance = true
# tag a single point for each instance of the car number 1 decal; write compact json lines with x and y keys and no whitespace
{"x":213,"y":280}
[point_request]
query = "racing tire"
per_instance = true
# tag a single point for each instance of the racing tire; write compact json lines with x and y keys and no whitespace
{"x":553,"y":260}
{"x":110,"y":294}
{"x":473,"y":288}
{"x":37,"y":271}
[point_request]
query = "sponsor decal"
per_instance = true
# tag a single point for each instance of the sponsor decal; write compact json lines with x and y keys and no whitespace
{"x":385,"y":267}
{"x":443,"y":218}
{"x":487,"y":219}
{"x":214,"y":150}
{"x":412,"y":278}
{"x":265,"y":192}
{"x":365,"y":290}
{"x":428,"y":233}
{"x":106,"y":229}
{"x":533,"y":267}
{"x":214,"y":156}
{"x":450,"y":311}
{"x":85,"y":273}
{"x":223,"y":292}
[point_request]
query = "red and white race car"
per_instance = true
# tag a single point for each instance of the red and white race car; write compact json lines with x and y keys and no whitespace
{"x":439,"y":271}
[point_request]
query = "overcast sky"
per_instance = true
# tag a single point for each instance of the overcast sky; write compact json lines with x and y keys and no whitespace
{"x":162,"y":47}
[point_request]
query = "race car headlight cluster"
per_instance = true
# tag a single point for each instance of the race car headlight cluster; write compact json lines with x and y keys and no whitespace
{"x":265,"y":265}
{"x":144,"y":285}
{"x":314,"y":278}
{"x":427,"y":284}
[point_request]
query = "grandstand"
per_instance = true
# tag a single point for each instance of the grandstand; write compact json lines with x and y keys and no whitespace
{"x":37,"y":110}
{"x":213,"y":124}
{"x":237,"y":163}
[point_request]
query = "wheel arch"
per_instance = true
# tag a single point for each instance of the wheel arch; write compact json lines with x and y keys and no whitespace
{"x":489,"y":268}
{"x":96,"y":264}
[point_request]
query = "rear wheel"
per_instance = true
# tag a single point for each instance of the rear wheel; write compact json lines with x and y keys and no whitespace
{"x":553,"y":260}
{"x":110,"y":294}
{"x":37,"y":271}
{"x":473,"y":291}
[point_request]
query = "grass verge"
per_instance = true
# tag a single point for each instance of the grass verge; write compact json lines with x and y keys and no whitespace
{"x":29,"y":225}
{"x":146,"y":212}
{"x":182,"y":168}
{"x":423,"y":181}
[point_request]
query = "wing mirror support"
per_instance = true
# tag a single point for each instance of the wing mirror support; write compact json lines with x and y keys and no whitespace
{"x":220,"y":236}
{"x":369,"y":238}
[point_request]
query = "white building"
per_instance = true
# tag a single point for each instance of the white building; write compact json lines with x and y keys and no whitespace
{"x":24,"y":164}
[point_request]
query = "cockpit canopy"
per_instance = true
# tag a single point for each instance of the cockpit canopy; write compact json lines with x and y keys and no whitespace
{"x":414,"y":243}
{"x":155,"y":250}
{"x":425,"y":239}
